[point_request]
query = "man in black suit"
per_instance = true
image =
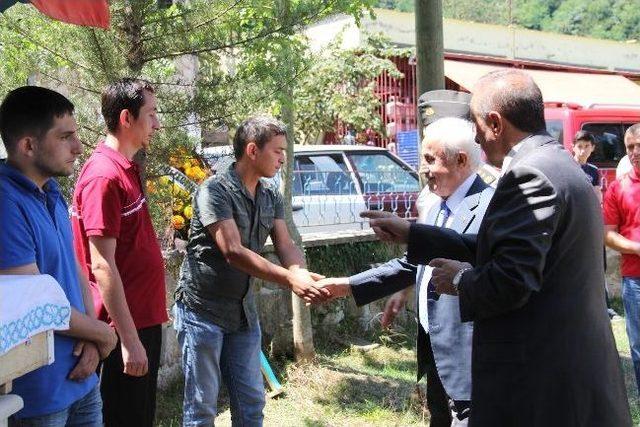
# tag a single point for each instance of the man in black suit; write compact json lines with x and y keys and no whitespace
{"x":543,"y":350}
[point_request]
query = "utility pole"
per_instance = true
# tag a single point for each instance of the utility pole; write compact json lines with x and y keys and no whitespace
{"x":429,"y":45}
{"x":429,"y":50}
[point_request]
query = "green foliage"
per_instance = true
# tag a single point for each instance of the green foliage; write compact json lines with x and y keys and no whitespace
{"x":607,"y":19}
{"x":212,"y":63}
{"x":612,"y":19}
{"x":339,"y":86}
{"x":347,"y":258}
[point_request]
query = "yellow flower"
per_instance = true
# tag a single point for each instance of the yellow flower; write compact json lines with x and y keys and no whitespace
{"x":178,"y":222}
{"x":178,"y":205}
{"x":188,"y":212}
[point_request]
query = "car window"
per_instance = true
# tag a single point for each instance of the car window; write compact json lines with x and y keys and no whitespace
{"x":379,"y":173}
{"x":554,"y":127}
{"x":321,"y":174}
{"x":609,"y":142}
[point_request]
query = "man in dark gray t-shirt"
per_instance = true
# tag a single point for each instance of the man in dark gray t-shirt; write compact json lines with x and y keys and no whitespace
{"x":215,"y":315}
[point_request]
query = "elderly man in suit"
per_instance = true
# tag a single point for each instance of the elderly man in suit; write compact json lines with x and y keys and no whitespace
{"x":459,"y":198}
{"x":543,"y":351}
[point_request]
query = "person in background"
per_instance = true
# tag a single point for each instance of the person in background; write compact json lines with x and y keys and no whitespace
{"x":40,"y":135}
{"x":583,"y":145}
{"x":622,"y":233}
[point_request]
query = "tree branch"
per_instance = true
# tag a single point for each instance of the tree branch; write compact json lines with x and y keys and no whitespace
{"x":282,"y":28}
{"x":96,"y":43}
{"x":195,"y":27}
{"x":27,"y":36}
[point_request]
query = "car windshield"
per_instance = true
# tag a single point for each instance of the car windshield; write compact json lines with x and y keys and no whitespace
{"x":379,"y":172}
{"x":321,"y":174}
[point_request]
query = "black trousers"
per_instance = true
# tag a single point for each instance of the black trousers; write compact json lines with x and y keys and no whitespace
{"x":127,"y":400}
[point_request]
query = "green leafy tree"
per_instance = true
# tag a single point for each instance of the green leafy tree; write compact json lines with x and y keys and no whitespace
{"x":200,"y":55}
{"x":339,"y":87}
{"x":607,"y":19}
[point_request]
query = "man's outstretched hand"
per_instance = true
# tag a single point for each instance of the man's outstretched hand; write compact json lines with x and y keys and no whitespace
{"x":387,"y":226}
{"x":302,"y":284}
{"x":338,"y":287}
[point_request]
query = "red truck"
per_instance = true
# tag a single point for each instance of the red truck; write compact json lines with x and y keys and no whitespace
{"x":607,"y":122}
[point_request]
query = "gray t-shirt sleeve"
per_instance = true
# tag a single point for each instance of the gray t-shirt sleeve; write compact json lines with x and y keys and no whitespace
{"x":213,"y":203}
{"x":278,"y":205}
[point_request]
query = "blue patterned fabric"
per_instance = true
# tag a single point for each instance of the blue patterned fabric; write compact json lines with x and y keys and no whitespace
{"x":38,"y":319}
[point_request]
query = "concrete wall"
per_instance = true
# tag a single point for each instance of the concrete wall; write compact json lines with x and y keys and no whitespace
{"x":274,"y":308}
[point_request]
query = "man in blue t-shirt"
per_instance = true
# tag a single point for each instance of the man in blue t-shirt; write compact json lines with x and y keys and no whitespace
{"x":40,"y":136}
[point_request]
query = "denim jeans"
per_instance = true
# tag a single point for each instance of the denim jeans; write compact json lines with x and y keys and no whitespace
{"x":211,"y":354}
{"x":86,"y":412}
{"x":631,"y":301}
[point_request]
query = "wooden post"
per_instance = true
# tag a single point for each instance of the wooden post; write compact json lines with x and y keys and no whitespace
{"x":429,"y":50}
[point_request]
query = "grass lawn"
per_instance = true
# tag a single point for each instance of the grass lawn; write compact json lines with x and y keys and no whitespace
{"x":351,"y":386}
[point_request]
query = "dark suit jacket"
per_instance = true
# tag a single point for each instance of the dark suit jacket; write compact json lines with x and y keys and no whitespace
{"x":450,"y":339}
{"x":543,"y":350}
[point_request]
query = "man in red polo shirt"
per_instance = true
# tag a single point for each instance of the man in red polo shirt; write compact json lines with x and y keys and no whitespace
{"x":117,"y":246}
{"x":622,"y":233}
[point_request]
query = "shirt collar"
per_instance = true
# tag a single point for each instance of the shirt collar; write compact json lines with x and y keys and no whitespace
{"x":234,"y":178}
{"x":510,"y":155}
{"x":116,"y":156}
{"x":454,"y":200}
{"x":51,"y":186}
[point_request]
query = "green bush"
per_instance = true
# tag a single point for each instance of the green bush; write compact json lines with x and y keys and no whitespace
{"x":349,"y":258}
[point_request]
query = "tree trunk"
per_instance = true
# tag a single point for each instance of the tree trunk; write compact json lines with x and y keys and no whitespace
{"x":132,"y":31}
{"x":303,"y":347}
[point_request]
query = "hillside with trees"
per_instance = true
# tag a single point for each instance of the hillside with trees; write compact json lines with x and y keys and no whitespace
{"x":606,"y":19}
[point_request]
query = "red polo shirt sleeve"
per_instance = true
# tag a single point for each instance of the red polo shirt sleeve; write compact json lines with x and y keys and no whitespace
{"x":101,"y":208}
{"x":611,"y":205}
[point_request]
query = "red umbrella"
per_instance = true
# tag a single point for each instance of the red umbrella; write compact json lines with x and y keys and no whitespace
{"x":91,"y":13}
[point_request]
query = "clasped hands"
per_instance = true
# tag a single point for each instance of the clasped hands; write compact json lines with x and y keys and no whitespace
{"x":391,"y":228}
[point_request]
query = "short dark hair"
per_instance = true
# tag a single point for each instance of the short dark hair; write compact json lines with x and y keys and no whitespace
{"x":258,"y":129}
{"x":520,"y":102}
{"x":633,"y":131}
{"x":124,"y":94}
{"x":30,"y":110}
{"x":584,"y":135}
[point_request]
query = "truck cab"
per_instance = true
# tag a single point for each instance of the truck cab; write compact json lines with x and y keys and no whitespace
{"x":606,"y":122}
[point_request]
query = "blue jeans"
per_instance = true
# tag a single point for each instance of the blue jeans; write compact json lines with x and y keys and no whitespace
{"x":86,"y":412}
{"x":631,"y":301}
{"x":209,"y":354}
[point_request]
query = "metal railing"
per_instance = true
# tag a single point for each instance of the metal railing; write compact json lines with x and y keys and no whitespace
{"x":332,"y":201}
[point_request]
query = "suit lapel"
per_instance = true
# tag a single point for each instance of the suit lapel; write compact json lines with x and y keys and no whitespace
{"x":464,"y":214}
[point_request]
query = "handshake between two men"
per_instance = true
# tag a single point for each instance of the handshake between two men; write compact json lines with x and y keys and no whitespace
{"x":390,"y":228}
